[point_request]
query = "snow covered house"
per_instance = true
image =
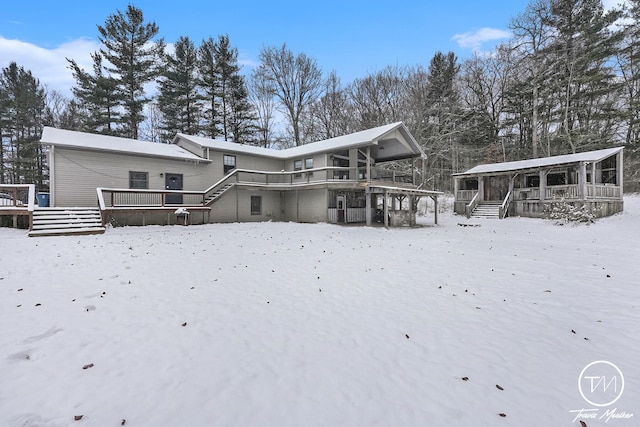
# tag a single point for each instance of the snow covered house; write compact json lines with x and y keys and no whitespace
{"x":338,"y":180}
{"x":527,"y":187}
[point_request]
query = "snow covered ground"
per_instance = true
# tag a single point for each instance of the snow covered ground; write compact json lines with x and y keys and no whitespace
{"x":282,"y":324}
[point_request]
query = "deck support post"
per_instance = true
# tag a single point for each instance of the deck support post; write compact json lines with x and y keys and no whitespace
{"x":386,"y":209}
{"x":367,"y":196}
{"x":435,"y":209}
{"x":582,"y":181}
{"x":543,"y":185}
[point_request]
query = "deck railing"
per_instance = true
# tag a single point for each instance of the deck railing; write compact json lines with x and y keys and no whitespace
{"x":465,"y":195}
{"x":117,"y":197}
{"x":133,"y":198}
{"x":562,"y":192}
{"x":603,"y":191}
{"x":18,"y":196}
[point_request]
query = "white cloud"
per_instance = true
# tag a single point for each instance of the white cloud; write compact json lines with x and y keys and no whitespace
{"x":475,"y":39}
{"x":49,"y":65}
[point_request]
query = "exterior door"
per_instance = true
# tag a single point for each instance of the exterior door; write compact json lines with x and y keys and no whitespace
{"x":496,"y":188}
{"x":341,"y":204}
{"x":173,"y":181}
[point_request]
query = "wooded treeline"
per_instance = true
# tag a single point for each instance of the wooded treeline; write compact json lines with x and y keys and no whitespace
{"x":567,"y":81}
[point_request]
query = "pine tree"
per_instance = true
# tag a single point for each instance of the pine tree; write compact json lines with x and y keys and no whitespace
{"x":132,"y":58}
{"x":179,"y":99}
{"x":209,"y":78}
{"x":22,"y":103}
{"x":629,"y":65}
{"x":241,"y":118}
{"x":98,"y":96}
{"x":580,"y":73}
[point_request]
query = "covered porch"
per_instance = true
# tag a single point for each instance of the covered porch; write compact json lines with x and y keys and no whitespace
{"x":525,"y":188}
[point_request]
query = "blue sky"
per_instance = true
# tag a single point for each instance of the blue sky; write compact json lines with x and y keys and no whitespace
{"x":352,"y":37}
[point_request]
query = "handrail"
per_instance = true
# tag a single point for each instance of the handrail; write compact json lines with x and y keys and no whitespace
{"x":31,"y":194}
{"x":505,"y":205}
{"x":472,"y":205}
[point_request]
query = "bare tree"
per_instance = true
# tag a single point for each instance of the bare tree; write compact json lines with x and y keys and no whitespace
{"x":378,"y":98}
{"x":296,"y":81}
{"x":532,"y":36}
{"x":332,"y":113}
{"x":263,"y":103}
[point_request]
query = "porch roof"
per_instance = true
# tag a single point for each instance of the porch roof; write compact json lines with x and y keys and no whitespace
{"x":587,"y":156}
{"x":390,"y":142}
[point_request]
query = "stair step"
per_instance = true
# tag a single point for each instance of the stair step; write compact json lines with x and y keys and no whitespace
{"x":66,"y":221}
{"x":53,"y":218}
{"x":67,"y":232}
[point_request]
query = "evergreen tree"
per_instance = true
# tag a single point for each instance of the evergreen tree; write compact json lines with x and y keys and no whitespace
{"x":629,"y":66}
{"x":132,"y":58}
{"x":179,"y":99}
{"x":241,"y":117}
{"x":98,"y":97}
{"x":209,"y":82}
{"x":22,"y":103}
{"x":228,"y":111}
{"x":441,"y":130}
{"x":580,"y":74}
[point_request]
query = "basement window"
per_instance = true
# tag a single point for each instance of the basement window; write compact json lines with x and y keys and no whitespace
{"x":139,"y":180}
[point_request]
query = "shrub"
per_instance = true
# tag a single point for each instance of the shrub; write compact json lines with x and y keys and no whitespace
{"x":562,"y":213}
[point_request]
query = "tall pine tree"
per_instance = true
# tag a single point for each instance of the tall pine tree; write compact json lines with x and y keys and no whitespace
{"x":22,"y":103}
{"x":179,"y":99}
{"x":132,"y":56}
{"x":98,"y":97}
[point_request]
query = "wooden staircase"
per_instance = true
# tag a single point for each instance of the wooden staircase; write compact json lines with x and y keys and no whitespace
{"x":490,"y":210}
{"x":218,"y":193}
{"x":66,"y":221}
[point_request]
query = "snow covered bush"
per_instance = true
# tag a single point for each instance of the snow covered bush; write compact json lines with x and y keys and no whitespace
{"x":561,"y":212}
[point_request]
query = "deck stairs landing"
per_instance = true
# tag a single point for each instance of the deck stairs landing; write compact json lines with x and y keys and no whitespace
{"x":218,"y":193}
{"x":66,"y":221}
{"x":490,"y":210}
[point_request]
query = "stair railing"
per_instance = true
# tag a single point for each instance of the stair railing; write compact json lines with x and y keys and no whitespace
{"x":468,"y":209}
{"x":504,"y":207}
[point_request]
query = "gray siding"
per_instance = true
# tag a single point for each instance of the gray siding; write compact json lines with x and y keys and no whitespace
{"x":79,"y":172}
{"x":305,"y":206}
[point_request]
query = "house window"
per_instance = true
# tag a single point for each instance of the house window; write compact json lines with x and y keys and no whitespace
{"x":229,"y":163}
{"x":557,"y":179}
{"x":533,"y":181}
{"x":256,"y":205}
{"x":139,"y":180}
{"x":297,"y":166}
{"x":308,"y":164}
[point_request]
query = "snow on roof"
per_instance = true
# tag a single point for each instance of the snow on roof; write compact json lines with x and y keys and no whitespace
{"x":89,"y":141}
{"x":356,"y":139}
{"x":587,"y":156}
